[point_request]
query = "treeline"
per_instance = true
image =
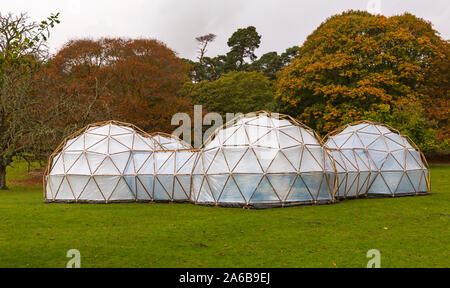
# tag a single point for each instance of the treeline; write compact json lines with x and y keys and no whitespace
{"x":353,"y":66}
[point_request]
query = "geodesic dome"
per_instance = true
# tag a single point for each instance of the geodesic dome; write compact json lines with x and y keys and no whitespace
{"x":263,"y":159}
{"x":174,"y":161}
{"x":374,"y":159}
{"x":102,"y":162}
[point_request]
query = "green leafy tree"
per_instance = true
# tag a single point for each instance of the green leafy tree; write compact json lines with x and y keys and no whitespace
{"x":270,"y":64}
{"x":354,"y":63}
{"x":243,"y":44}
{"x":233,"y":92}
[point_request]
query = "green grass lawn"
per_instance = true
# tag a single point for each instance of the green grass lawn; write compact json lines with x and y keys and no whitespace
{"x":408,"y":231}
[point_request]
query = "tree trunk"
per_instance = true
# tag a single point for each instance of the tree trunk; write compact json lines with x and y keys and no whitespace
{"x":3,"y":178}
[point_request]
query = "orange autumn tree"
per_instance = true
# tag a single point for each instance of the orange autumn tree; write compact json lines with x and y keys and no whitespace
{"x":356,"y":64}
{"x":132,"y":80}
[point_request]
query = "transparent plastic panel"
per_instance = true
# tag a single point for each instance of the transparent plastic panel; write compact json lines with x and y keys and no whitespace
{"x":141,"y":143}
{"x":131,"y":182}
{"x":94,"y":160}
{"x":308,"y":137}
{"x":143,"y":162}
{"x":48,"y":191}
{"x":299,"y":192}
{"x":115,"y":130}
{"x":205,"y":195}
{"x":353,"y":142}
{"x":282,"y":184}
{"x":391,"y":164}
{"x":107,"y":168}
{"x":248,"y":163}
{"x":247,"y":183}
{"x":64,"y":192}
{"x":351,"y":188}
{"x":264,"y":193}
{"x":269,"y":140}
{"x":370,"y":129}
{"x":281,"y":164}
{"x":286,"y":141}
{"x":293,"y":155}
{"x":147,"y":182}
{"x":76,"y":145}
{"x":106,"y":184}
{"x":230,"y":193}
{"x":378,"y":144}
{"x":239,"y":138}
{"x":184,"y":182}
{"x":163,"y":188}
{"x":70,"y":158}
{"x":405,"y":186}
{"x":102,"y":130}
{"x":423,"y":186}
{"x":280,"y":122}
{"x":125,"y":139}
{"x":342,"y":182}
{"x":100,"y":147}
{"x":396,"y":138}
{"x":121,"y":160}
{"x":312,"y":181}
{"x":362,"y":160}
{"x":217,"y":183}
{"x":400,"y":156}
{"x":91,"y":192}
{"x":413,"y":160}
{"x":78,"y":183}
{"x":208,"y":157}
{"x":367,"y":139}
{"x":265,"y":156}
{"x":293,"y":132}
{"x":54,"y":182}
{"x":363,"y":183}
{"x":92,"y":139}
{"x":80,"y":167}
{"x":392,"y":179}
{"x":378,"y":186}
{"x":256,"y":132}
{"x":340,"y":139}
{"x":218,"y":165}
{"x":165,"y":162}
{"x":233,"y":155}
{"x":116,"y":147}
{"x":144,"y":193}
{"x":184,"y":160}
{"x":378,"y":158}
{"x":122,"y":192}
{"x":325,"y":190}
{"x":58,"y":166}
{"x":261,"y":120}
{"x":309,"y":162}
{"x":392,"y":145}
{"x":383,"y":129}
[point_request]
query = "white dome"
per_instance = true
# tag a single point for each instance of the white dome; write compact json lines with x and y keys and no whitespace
{"x":372,"y":158}
{"x":100,"y":163}
{"x":263,"y":158}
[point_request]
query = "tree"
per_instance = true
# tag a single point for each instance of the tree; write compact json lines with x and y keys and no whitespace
{"x":233,"y":92}
{"x":354,"y":63}
{"x":22,"y":118}
{"x":243,"y":44}
{"x":204,"y":41}
{"x":132,"y":80}
{"x":269,"y":63}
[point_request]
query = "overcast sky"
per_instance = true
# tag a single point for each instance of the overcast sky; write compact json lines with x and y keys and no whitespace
{"x":282,"y":23}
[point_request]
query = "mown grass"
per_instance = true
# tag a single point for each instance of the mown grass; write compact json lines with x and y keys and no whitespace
{"x":408,"y":231}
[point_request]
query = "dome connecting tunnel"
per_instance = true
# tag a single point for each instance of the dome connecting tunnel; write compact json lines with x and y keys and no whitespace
{"x":116,"y":162}
{"x":263,"y":159}
{"x":373,"y":159}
